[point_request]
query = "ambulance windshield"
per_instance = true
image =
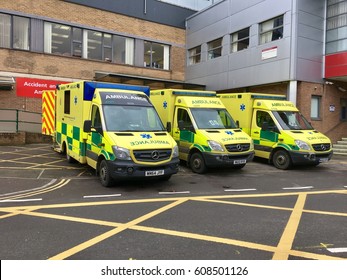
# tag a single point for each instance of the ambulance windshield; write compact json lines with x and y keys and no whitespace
{"x":290,"y":120}
{"x":213,"y":118}
{"x":132,"y":118}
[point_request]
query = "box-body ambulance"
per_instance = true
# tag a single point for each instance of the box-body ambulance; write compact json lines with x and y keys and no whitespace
{"x":206,"y":134}
{"x":280,"y":132}
{"x":113,"y":128}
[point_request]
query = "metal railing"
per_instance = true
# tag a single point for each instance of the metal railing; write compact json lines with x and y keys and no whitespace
{"x":12,"y":120}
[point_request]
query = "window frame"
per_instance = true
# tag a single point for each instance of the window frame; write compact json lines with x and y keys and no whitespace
{"x":318,"y":107}
{"x":263,"y":34}
{"x":211,"y":50}
{"x":194,"y":55}
{"x":234,"y":44}
{"x":152,"y":62}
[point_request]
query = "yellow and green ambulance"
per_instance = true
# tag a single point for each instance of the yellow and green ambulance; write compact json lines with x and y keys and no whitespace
{"x":113,"y":128}
{"x":280,"y":132}
{"x":206,"y":134}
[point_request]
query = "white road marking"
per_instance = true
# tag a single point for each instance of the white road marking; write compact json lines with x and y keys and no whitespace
{"x":298,"y":188}
{"x":173,"y":192}
{"x":337,"y":250}
{"x":239,"y":190}
{"x":102,"y":195}
{"x":21,"y":200}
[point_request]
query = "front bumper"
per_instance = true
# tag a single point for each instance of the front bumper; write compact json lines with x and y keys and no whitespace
{"x":220,"y":160}
{"x":309,"y":158}
{"x":130,"y":170}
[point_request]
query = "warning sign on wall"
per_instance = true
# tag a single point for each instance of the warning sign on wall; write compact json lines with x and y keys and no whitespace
{"x":28,"y":87}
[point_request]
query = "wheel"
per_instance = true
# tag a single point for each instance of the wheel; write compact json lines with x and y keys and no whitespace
{"x":104,"y":174}
{"x":69,"y":159}
{"x":282,"y":160}
{"x":197,"y":163}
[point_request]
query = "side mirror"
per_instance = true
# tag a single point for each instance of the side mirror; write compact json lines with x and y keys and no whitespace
{"x":238,"y":124}
{"x":87,"y":126}
{"x":168,"y":126}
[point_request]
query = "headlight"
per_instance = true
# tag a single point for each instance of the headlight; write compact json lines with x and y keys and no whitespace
{"x":215,"y":146}
{"x":175,"y":152}
{"x":121,"y":153}
{"x":302,"y":145}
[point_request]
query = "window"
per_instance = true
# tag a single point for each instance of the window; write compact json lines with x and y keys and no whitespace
{"x":5,"y":31}
{"x":315,"y":107}
{"x":77,"y":39}
{"x":94,"y":45}
{"x":67,"y":102}
{"x":214,"y":48}
{"x":156,"y":55}
{"x":240,"y":40}
{"x":16,"y":30}
{"x":194,"y":55}
{"x":123,"y":50}
{"x":271,"y":30}
{"x":20,"y":33}
{"x":336,"y":35}
{"x":57,"y":38}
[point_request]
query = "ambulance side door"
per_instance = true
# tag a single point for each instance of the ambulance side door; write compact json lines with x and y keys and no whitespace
{"x":94,"y":139}
{"x":184,"y":136}
{"x":264,"y":133}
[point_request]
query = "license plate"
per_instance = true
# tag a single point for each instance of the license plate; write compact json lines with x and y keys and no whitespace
{"x":323,"y":159}
{"x":240,"y":161}
{"x":154,"y":173}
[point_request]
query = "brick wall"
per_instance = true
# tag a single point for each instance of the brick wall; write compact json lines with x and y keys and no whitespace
{"x":62,"y":67}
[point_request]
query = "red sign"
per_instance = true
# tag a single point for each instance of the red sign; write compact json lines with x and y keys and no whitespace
{"x":28,"y":87}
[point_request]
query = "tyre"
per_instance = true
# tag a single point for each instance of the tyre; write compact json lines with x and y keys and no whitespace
{"x":197,"y":163}
{"x":282,"y":160}
{"x":104,"y":174}
{"x":69,"y":158}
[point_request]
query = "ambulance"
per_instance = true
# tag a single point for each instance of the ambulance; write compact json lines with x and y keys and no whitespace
{"x":280,"y":132}
{"x":206,"y":134}
{"x":113,"y":128}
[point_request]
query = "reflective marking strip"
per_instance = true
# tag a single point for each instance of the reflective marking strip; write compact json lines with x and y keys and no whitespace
{"x":102,"y":195}
{"x":48,"y":105}
{"x":298,"y":188}
{"x":239,"y":190}
{"x":337,"y":250}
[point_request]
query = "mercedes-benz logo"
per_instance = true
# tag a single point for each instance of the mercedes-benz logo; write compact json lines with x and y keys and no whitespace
{"x":323,"y":147}
{"x":155,"y":155}
{"x":238,"y":146}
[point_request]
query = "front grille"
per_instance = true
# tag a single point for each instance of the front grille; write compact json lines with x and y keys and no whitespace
{"x":321,"y":147}
{"x":237,"y":147}
{"x":152,"y":155}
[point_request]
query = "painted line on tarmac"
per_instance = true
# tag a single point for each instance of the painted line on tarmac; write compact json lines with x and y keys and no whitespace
{"x":20,"y":200}
{"x":30,"y":190}
{"x":101,"y":195}
{"x":337,"y":250}
{"x":298,"y":188}
{"x":174,"y":192}
{"x":239,"y":190}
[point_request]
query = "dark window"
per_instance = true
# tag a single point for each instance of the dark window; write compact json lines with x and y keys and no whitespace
{"x":67,"y":102}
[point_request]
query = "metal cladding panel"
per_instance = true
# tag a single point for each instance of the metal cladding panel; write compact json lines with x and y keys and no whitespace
{"x":150,"y":10}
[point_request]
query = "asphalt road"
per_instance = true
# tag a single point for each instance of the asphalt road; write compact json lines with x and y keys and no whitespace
{"x":50,"y":209}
